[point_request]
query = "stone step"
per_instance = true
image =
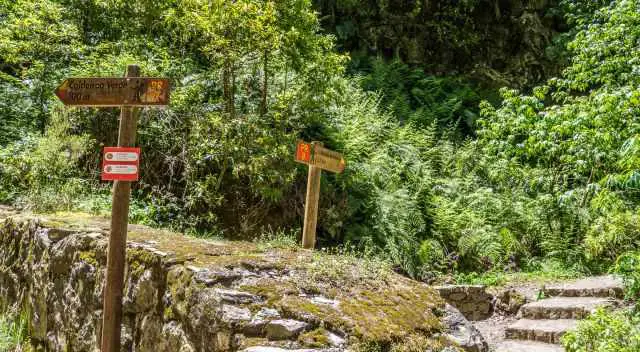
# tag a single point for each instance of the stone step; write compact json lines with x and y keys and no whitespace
{"x":527,"y":346}
{"x":564,"y":307}
{"x":598,"y":286}
{"x":548,"y":330}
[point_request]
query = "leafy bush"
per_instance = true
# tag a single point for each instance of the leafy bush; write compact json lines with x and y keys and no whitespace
{"x":245,"y":86}
{"x":628,"y":266}
{"x":570,"y":147}
{"x":415,"y":97}
{"x":42,"y":173}
{"x":383,"y":198}
{"x":605,"y":331}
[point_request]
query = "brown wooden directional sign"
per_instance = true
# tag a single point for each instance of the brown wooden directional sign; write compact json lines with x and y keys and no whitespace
{"x":318,"y":156}
{"x":119,"y":91}
{"x":328,"y":159}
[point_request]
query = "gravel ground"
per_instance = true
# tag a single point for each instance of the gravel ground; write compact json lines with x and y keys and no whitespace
{"x":493,"y":328}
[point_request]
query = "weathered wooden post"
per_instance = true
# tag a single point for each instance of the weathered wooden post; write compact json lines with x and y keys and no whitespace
{"x":116,"y":256}
{"x":311,"y":204}
{"x":318,"y":158}
{"x":120,"y":164}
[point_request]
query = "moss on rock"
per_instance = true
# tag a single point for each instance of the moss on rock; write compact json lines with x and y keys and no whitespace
{"x":358,"y":298}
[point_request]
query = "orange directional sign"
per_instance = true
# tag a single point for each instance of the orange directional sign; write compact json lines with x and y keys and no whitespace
{"x":319,"y":156}
{"x":119,"y":91}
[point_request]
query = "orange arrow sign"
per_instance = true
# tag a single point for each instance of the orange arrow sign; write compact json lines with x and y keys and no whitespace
{"x":119,"y":91}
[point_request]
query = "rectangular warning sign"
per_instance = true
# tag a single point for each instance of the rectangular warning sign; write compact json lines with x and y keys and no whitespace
{"x":120,"y":164}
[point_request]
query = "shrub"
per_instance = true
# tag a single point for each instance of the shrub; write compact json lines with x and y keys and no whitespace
{"x":44,"y":173}
{"x":605,"y":331}
{"x":415,"y":97}
{"x":628,"y":266}
{"x":383,"y":198}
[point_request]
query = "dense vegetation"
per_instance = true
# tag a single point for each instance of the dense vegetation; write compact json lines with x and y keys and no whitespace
{"x":492,"y":41}
{"x":606,"y":331}
{"x":445,"y":173}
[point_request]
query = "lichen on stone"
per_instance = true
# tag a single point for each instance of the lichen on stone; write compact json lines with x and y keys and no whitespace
{"x":208,"y":295}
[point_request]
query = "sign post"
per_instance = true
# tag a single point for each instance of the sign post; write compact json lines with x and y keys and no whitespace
{"x":121,"y":165}
{"x":116,"y":256}
{"x":318,"y":158}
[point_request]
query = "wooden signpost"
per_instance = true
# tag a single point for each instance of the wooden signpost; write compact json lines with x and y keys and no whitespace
{"x":115,"y":91}
{"x":120,"y":164}
{"x":318,"y":158}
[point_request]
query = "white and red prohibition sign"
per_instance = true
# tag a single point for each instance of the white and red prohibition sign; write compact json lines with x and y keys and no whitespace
{"x":120,"y":164}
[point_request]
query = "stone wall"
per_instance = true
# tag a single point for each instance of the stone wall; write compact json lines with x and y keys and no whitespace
{"x":472,"y":300}
{"x":188,"y":295}
{"x":57,"y":277}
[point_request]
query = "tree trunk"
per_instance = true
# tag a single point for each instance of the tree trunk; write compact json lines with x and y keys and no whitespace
{"x":228,"y":83}
{"x":232,"y":98}
{"x":265,"y":83}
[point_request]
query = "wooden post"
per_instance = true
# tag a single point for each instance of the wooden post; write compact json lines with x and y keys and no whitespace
{"x":112,"y":307}
{"x":311,"y":204}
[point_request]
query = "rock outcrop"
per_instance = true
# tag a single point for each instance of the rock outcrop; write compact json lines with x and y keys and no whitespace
{"x":509,"y":301}
{"x":472,"y":301}
{"x":463,"y":332}
{"x":185,"y":294}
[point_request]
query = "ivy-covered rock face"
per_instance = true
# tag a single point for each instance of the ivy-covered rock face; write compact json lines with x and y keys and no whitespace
{"x":185,"y":294}
{"x":498,"y":42}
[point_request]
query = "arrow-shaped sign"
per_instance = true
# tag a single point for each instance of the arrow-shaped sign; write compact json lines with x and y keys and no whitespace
{"x":114,"y":91}
{"x":318,"y":156}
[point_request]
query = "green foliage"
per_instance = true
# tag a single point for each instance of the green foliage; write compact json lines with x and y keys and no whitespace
{"x":414,"y":97}
{"x":42,"y":173}
{"x":628,"y":266}
{"x":37,"y":43}
{"x":245,"y":86}
{"x":548,"y":177}
{"x":432,"y":257}
{"x":280,"y":238}
{"x":14,"y":334}
{"x":547,"y":270}
{"x":386,"y":188}
{"x":605,"y":331}
{"x":581,"y":12}
{"x":570,"y":148}
{"x":609,"y":236}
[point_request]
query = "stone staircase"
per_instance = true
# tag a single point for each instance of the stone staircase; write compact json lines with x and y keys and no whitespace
{"x":542,"y":323}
